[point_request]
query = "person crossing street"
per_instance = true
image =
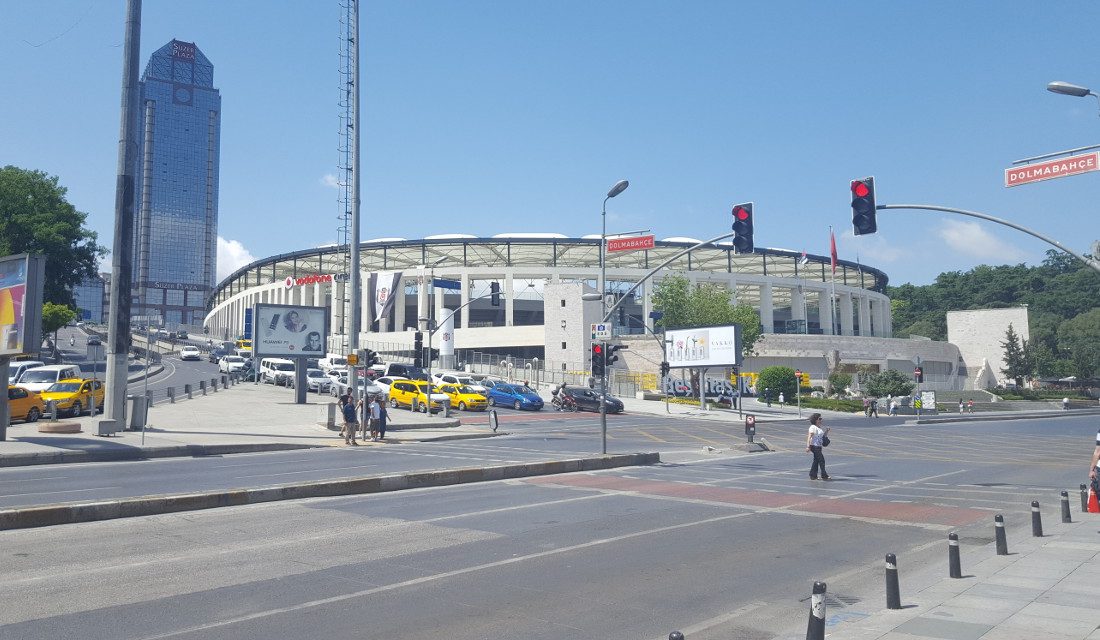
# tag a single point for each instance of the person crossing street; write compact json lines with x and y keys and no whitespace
{"x":815,"y":442}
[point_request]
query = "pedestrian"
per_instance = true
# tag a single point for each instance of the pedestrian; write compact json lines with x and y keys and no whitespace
{"x":866,"y":407}
{"x":874,"y":407}
{"x":893,"y":407}
{"x":383,"y":416}
{"x":1065,"y":404}
{"x":781,"y":398}
{"x":351,"y":422}
{"x":815,"y":442}
{"x":375,"y":412}
{"x":960,"y":405}
{"x":768,"y":395}
{"x":970,"y":405}
{"x":72,"y":341}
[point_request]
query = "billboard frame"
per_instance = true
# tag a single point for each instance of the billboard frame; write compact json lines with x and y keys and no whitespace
{"x":28,"y":322}
{"x":704,"y":362}
{"x":258,"y":350}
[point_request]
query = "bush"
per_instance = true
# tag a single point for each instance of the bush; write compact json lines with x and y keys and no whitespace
{"x":833,"y":404}
{"x":839,"y":381}
{"x":1038,"y":394}
{"x":778,"y":380}
{"x":888,"y":383}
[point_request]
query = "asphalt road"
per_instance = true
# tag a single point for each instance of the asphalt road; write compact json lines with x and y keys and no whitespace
{"x":716,"y":546}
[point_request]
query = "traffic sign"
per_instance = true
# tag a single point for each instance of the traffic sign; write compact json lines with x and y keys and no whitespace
{"x":632,"y":243}
{"x":601,"y":331}
{"x":1069,"y":166}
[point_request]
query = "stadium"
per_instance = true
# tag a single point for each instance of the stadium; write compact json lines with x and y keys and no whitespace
{"x":813,"y":319}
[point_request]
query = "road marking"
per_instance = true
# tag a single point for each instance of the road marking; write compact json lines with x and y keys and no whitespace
{"x":718,"y":620}
{"x":49,"y":493}
{"x":292,"y":473}
{"x":898,"y":484}
{"x":36,"y":479}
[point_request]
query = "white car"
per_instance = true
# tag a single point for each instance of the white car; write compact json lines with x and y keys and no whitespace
{"x":317,"y":381}
{"x":366,"y":388}
{"x":190,"y":353}
{"x":384,"y":383}
{"x":230,"y":364}
{"x":459,"y":379}
{"x":335,"y":374}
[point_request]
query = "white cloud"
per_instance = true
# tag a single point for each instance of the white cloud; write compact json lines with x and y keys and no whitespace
{"x":971,"y":239}
{"x":871,"y":249}
{"x":330,"y":180}
{"x":231,"y":256}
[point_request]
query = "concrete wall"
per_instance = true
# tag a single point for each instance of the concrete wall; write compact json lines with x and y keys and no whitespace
{"x":979,"y":334}
{"x":567,"y":331}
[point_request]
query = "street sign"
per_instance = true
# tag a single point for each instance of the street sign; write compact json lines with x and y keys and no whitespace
{"x":1069,"y":166}
{"x":601,"y":331}
{"x":632,"y":243}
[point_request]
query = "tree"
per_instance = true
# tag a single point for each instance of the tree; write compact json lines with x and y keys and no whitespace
{"x":777,"y":380}
{"x":1079,"y":338}
{"x":705,"y":305}
{"x":888,"y":383}
{"x":1016,"y":360}
{"x":36,"y":218}
{"x":839,"y":381}
{"x":55,"y":316}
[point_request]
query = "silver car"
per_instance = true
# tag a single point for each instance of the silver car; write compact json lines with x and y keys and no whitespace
{"x":317,"y":381}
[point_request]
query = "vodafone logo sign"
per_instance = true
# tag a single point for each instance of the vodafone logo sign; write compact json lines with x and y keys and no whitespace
{"x":304,"y":280}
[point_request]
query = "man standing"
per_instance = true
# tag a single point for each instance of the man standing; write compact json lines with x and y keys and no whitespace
{"x":375,"y":412}
{"x":815,"y":442}
{"x":351,"y":423}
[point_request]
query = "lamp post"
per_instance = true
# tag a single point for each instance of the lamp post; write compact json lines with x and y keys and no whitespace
{"x":1067,"y":89}
{"x":615,"y":190}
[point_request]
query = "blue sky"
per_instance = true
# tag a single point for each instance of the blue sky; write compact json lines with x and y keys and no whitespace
{"x":488,"y":117}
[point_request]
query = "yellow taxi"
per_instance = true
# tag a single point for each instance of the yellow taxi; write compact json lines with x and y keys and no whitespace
{"x":24,"y":404}
{"x":74,"y":395}
{"x":463,"y":397}
{"x":402,"y":393}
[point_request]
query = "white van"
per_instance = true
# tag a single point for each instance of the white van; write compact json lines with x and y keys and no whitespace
{"x":332,"y":361}
{"x":41,"y":378}
{"x":17,"y":367}
{"x":276,"y":371}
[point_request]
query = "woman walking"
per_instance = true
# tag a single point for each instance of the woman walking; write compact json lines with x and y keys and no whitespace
{"x":815,"y":442}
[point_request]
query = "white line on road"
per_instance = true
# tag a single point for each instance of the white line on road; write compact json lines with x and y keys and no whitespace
{"x":36,"y":479}
{"x":49,"y":493}
{"x":898,"y":484}
{"x":292,"y":473}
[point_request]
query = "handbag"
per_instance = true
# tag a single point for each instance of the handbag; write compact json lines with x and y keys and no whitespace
{"x":825,"y":441}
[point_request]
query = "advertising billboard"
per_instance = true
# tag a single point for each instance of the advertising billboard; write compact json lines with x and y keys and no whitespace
{"x":284,"y":330}
{"x":704,"y":347}
{"x":21,"y":282}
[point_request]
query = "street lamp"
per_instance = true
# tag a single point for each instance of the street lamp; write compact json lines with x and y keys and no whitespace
{"x":615,"y":190}
{"x":1067,"y":89}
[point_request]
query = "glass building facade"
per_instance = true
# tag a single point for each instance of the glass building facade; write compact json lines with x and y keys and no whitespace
{"x":176,"y":201}
{"x":90,"y":296}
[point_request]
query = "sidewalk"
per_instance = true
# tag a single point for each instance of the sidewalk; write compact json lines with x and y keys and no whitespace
{"x":242,"y":418}
{"x":1045,"y":589}
{"x":761,"y":410}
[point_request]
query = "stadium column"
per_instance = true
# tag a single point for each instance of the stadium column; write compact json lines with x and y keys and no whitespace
{"x":307,"y":294}
{"x":509,"y":301}
{"x":364,"y":305}
{"x":422,"y":285}
{"x":398,"y":305}
{"x":864,"y":315}
{"x":732,"y":286}
{"x":798,"y":303}
{"x":887,"y":320}
{"x":767,"y":317}
{"x":464,"y":278}
{"x":440,"y":310}
{"x":844,"y":310}
{"x":824,"y":312}
{"x":646,"y":291}
{"x":337,"y":312}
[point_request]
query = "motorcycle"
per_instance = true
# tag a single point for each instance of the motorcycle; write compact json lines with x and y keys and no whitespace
{"x":564,"y":403}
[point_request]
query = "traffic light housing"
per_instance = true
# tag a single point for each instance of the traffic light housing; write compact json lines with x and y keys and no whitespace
{"x":494,"y":291}
{"x":611,"y":356}
{"x":418,"y":349}
{"x":863,"y":206}
{"x":918,"y":373}
{"x":665,"y":368}
{"x":742,"y":227}
{"x":370,"y":358}
{"x":598,"y":367}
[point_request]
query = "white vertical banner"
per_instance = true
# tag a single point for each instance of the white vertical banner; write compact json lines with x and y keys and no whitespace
{"x":447,"y":340}
{"x":381,"y":289}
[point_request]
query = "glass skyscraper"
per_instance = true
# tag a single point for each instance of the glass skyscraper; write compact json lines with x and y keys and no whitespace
{"x":176,"y":200}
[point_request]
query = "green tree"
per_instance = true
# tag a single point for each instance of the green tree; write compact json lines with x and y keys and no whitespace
{"x":922,"y":327}
{"x":55,"y":316}
{"x":1015,"y":355}
{"x":36,"y":218}
{"x":888,"y":383}
{"x":839,"y":381}
{"x":1079,"y":338}
{"x":777,"y":380}
{"x":705,"y":305}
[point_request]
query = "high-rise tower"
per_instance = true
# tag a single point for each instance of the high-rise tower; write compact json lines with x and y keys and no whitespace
{"x":176,"y":199}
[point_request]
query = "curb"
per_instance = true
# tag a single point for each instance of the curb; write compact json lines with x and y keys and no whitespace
{"x":116,"y":455}
{"x":1011,"y":416}
{"x":51,"y":515}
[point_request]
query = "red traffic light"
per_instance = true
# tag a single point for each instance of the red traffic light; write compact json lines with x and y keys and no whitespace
{"x":597,"y":348}
{"x":741,"y":213}
{"x":860,"y":189}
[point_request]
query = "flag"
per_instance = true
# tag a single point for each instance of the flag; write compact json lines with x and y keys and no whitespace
{"x":832,"y":248}
{"x":803,"y":260}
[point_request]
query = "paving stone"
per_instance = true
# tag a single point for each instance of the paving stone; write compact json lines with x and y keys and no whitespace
{"x":1083,"y":598}
{"x":1004,"y":591}
{"x":944,"y":629}
{"x":968,"y":613}
{"x":1067,"y":628}
{"x":1061,"y":612}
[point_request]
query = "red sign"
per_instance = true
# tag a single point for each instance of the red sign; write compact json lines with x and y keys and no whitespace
{"x":1070,"y":166}
{"x":630,"y":244}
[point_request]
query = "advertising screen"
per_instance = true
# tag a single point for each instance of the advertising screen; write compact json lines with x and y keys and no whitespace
{"x":704,"y":347}
{"x":20,"y":304}
{"x":288,"y":331}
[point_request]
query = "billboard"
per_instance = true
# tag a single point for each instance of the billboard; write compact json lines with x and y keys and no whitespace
{"x":704,"y":347}
{"x":289,"y":330}
{"x":21,"y":282}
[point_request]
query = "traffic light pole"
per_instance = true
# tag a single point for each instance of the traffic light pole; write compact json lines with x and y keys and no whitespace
{"x":974,"y":214}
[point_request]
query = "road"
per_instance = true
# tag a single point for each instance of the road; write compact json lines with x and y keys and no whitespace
{"x":716,"y":546}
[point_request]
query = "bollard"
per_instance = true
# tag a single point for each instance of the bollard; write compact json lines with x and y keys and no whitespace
{"x":893,"y":591}
{"x":51,"y":408}
{"x":815,"y":629}
{"x":148,"y":398}
{"x":187,"y":390}
{"x":1084,"y":499}
{"x":214,"y":384}
{"x":675,"y":635}
{"x":1036,"y":520}
{"x":953,"y":564}
{"x":171,"y":395}
{"x":202,"y":386}
{"x":999,"y":534}
{"x":225,"y":382}
{"x":1065,"y":507}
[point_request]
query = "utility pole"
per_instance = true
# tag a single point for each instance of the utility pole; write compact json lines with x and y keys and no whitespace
{"x":356,"y":296}
{"x":118,"y":329}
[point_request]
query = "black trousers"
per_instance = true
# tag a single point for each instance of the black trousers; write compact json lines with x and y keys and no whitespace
{"x":819,"y":463}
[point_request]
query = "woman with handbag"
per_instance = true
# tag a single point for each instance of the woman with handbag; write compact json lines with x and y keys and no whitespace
{"x":816,"y":440}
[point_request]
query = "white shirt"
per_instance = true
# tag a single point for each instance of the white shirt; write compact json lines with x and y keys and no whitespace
{"x":375,"y":410}
{"x":817,"y":434}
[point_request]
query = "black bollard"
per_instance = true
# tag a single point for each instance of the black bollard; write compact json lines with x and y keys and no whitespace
{"x":1036,"y":520}
{"x":999,"y":531}
{"x":815,"y":630}
{"x":953,"y":564}
{"x":675,"y":635}
{"x":1084,"y":499}
{"x":1065,"y":507}
{"x":893,"y":591}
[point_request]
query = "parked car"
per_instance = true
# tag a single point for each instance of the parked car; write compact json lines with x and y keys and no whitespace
{"x":366,"y":387}
{"x":317,"y":381}
{"x":464,"y":398}
{"x":517,"y":396}
{"x":217,"y":354}
{"x":403,"y":370}
{"x":278,"y":371}
{"x":190,"y":353}
{"x":17,"y":367}
{"x":41,"y":378}
{"x":94,"y":340}
{"x":489,"y":382}
{"x":589,"y":400}
{"x":402,"y":393}
{"x":181,"y":334}
{"x":230,"y":364}
{"x":461,"y":380}
{"x":24,"y":405}
{"x":384,"y":383}
{"x":74,"y":395}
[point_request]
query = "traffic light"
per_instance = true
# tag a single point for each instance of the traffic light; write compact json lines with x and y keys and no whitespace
{"x":369,"y":358}
{"x":494,"y":290}
{"x":612,"y":354}
{"x":918,"y":373}
{"x":742,"y":226}
{"x":863,"y":206}
{"x":418,"y":349}
{"x":597,"y":359}
{"x":665,"y":368}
